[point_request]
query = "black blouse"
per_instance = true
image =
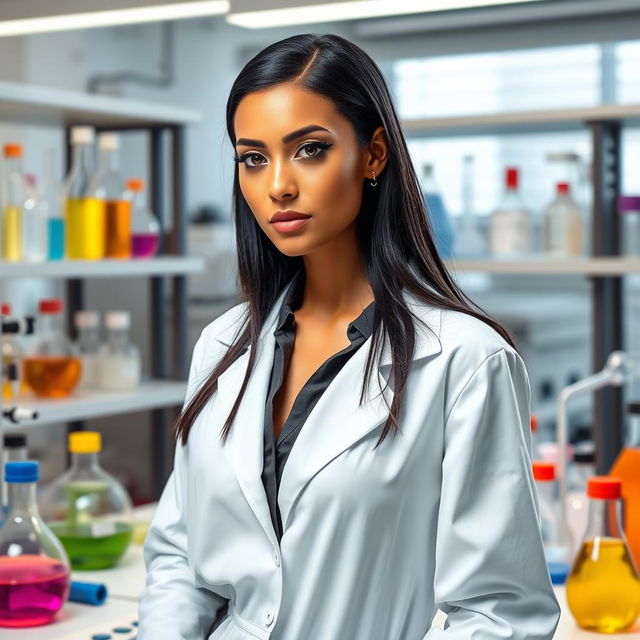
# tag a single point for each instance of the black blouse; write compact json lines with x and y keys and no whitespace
{"x":276,"y":453}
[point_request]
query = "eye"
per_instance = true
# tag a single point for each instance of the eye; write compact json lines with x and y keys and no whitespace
{"x":245,"y":156}
{"x":319,"y":147}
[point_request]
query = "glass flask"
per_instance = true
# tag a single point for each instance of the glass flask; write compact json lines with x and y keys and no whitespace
{"x":34,"y":568}
{"x":13,"y":194}
{"x":603,"y":588}
{"x":52,"y":370}
{"x":510,"y":229}
{"x":11,"y":361}
{"x":50,"y":202}
{"x":145,"y":230}
{"x":119,"y":367}
{"x":556,"y":548}
{"x":87,"y":508}
{"x":14,"y":448}
{"x":88,"y":346}
{"x":107,"y":186}
{"x":582,"y":468}
{"x":84,"y":214}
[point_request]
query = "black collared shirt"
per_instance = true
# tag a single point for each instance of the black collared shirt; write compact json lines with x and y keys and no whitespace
{"x":276,"y":453}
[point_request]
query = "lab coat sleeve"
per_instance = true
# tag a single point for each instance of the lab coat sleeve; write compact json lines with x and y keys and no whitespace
{"x":171,"y":606}
{"x":491,"y":576}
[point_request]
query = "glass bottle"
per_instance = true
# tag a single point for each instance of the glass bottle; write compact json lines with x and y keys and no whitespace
{"x":107,"y":186}
{"x":439,"y":219}
{"x":11,"y":361}
{"x":629,"y":210}
{"x":581,"y":469}
{"x":627,"y":468}
{"x":52,"y":370}
{"x":51,"y":206}
{"x":510,"y":223}
{"x":84,"y":213}
{"x":563,"y":226}
{"x":556,"y":549}
{"x":14,"y":448}
{"x":603,"y":588}
{"x":34,"y":223}
{"x":145,"y":230}
{"x":13,"y":199}
{"x":87,"y":508}
{"x":88,"y":346}
{"x":470,"y":242}
{"x":120,"y":367}
{"x":34,"y":568}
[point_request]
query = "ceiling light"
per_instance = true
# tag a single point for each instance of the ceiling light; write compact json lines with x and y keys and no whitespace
{"x":90,"y":19}
{"x":243,"y":15}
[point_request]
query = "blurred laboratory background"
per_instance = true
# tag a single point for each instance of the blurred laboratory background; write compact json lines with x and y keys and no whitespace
{"x":523,"y":122}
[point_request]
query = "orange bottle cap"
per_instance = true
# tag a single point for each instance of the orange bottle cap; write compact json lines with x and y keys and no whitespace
{"x":135,"y":184}
{"x":534,"y":422}
{"x":12,"y":150}
{"x":543,"y":470}
{"x":604,"y":488}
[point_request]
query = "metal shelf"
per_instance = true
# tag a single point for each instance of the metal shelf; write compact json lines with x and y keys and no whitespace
{"x":162,"y":266}
{"x":610,"y":266}
{"x":88,"y":404}
{"x":28,"y":104}
{"x":546,"y":120}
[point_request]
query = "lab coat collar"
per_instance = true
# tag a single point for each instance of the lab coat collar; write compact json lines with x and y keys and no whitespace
{"x":335,"y":423}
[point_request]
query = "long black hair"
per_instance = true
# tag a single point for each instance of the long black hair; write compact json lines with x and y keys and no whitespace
{"x":395,"y":239}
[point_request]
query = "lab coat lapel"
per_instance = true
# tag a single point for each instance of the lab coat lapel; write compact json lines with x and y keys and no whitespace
{"x":337,"y":422}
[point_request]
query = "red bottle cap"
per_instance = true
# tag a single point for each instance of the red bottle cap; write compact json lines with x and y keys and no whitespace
{"x":604,"y":488}
{"x":543,"y":470}
{"x":563,"y":188}
{"x":534,"y":422}
{"x":512,"y":177}
{"x":5,"y":309}
{"x":50,"y":305}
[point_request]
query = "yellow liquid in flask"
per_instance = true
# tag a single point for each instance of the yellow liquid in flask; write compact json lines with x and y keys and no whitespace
{"x":86,"y":229}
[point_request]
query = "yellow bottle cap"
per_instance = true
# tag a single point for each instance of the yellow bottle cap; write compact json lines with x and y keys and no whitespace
{"x":85,"y":442}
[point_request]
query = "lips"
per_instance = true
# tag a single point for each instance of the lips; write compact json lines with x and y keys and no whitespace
{"x":280,"y":216}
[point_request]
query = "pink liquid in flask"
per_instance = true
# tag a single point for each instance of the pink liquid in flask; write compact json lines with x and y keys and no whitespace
{"x":32,"y":590}
{"x":144,"y":245}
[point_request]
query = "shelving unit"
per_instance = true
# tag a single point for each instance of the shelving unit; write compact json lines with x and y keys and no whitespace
{"x":28,"y":105}
{"x":605,"y":268}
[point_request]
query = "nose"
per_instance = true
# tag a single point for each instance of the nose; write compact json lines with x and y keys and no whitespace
{"x":283,"y":184}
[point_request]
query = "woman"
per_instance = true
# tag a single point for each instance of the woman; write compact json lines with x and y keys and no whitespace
{"x":354,"y":451}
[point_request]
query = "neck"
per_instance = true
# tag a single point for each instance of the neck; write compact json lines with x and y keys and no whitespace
{"x":336,"y":279}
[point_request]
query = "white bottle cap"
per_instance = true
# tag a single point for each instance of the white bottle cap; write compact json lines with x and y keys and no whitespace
{"x":117,"y":320}
{"x":86,"y":319}
{"x":82,"y":135}
{"x":108,"y":142}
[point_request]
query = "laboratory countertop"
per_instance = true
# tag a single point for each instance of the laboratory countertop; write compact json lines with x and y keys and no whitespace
{"x":125,"y":582}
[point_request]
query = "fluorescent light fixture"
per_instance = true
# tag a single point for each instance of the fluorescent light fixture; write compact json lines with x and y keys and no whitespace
{"x":91,"y":19}
{"x":351,"y":10}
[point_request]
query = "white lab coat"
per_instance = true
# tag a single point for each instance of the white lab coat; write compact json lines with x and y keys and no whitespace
{"x":444,"y":515}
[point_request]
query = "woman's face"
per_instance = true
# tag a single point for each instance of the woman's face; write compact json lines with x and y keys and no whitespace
{"x":300,"y":154}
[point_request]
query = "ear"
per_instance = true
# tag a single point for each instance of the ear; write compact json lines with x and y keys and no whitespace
{"x":376,"y":153}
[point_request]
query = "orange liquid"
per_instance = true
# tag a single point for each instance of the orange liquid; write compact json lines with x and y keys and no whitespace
{"x":52,"y":376}
{"x":603,"y":589}
{"x":627,"y":467}
{"x":118,"y":225}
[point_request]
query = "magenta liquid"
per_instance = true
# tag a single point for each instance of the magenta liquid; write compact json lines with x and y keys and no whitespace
{"x":32,"y":590}
{"x":144,"y":245}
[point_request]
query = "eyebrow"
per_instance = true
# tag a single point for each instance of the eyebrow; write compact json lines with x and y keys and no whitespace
{"x":286,"y":139}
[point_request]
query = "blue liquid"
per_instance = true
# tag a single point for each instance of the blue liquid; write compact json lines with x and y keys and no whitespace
{"x":56,"y":239}
{"x":441,"y":224}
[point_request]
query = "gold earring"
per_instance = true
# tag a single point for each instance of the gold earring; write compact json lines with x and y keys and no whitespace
{"x":373,"y":179}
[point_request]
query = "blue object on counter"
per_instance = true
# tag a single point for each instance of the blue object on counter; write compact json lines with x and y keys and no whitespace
{"x":443,"y":233}
{"x":88,"y":592}
{"x":558,"y":572}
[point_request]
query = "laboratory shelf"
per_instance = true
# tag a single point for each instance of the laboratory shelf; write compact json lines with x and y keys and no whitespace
{"x":543,"y":120}
{"x":606,"y":266}
{"x":85,"y":405}
{"x":108,"y":268}
{"x":29,"y":104}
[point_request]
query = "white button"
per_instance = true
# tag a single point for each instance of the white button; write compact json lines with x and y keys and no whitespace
{"x":268,"y":618}
{"x":276,"y":558}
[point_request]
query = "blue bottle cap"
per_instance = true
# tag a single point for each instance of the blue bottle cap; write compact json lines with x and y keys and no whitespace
{"x":558,"y":572}
{"x":23,"y":471}
{"x":88,"y":592}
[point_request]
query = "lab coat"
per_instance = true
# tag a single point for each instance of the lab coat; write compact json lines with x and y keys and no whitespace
{"x":444,"y":515}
